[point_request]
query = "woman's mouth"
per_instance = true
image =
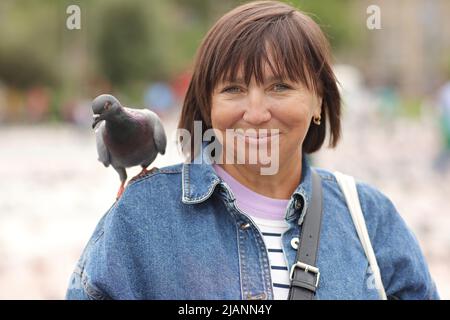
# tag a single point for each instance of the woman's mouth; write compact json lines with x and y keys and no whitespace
{"x":258,"y":137}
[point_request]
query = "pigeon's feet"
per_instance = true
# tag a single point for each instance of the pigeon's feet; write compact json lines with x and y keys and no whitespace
{"x":143,"y":173}
{"x":121,"y":189}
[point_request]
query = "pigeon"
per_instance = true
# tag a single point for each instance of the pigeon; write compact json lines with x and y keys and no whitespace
{"x":126,"y":137}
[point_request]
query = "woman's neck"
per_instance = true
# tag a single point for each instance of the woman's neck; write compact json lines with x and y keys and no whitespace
{"x":278,"y":186}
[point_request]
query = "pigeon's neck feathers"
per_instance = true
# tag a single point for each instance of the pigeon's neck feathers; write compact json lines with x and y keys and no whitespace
{"x":121,"y":125}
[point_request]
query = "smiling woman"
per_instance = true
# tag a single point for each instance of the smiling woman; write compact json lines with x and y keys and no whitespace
{"x":260,"y":41}
{"x":264,"y":69}
{"x":287,"y":107}
{"x":206,"y":230}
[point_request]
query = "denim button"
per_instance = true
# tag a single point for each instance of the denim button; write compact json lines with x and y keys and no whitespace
{"x":294,"y":243}
{"x":245,"y":225}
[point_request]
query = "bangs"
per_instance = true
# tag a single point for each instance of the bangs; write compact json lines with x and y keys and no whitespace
{"x":278,"y":45}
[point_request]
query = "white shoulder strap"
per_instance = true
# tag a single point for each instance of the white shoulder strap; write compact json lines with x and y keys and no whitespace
{"x":348,"y":187}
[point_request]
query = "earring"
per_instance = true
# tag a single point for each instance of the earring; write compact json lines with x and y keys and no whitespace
{"x":316,"y":120}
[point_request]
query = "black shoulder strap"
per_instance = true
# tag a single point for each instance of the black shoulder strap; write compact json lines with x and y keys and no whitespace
{"x":304,"y":273}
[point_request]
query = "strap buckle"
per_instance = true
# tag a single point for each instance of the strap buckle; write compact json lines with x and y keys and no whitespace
{"x":306,"y":268}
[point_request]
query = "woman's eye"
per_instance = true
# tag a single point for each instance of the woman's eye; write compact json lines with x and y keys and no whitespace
{"x":232,"y":90}
{"x":280,"y":87}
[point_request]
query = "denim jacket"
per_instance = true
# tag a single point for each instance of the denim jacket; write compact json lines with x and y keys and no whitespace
{"x":178,"y":234}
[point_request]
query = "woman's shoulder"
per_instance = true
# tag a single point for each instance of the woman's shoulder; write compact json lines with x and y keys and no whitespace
{"x":158,"y":172}
{"x":396,"y":247}
{"x":366,"y":191}
{"x":157,"y":190}
{"x":157,"y":187}
{"x":376,"y":206}
{"x":381,"y":216}
{"x":167,"y":176}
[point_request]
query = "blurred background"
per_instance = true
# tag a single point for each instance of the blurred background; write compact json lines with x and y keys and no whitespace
{"x":396,"y":131}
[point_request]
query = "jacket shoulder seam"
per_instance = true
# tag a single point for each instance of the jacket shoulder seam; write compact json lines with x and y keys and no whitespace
{"x":325,"y":175}
{"x":150,"y":175}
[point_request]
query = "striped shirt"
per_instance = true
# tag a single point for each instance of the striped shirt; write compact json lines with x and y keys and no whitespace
{"x":272,"y":231}
{"x":268,"y":215}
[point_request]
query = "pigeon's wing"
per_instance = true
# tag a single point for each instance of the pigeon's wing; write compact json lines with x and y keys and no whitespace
{"x":159,"y":135}
{"x":103,"y":153}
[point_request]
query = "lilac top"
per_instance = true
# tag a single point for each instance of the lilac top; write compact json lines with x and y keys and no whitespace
{"x":252,"y":202}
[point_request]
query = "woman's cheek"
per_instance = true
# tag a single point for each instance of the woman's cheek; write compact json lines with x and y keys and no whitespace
{"x":225,"y":116}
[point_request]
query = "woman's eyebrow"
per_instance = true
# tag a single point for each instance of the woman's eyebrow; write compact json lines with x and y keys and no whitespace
{"x":241,"y":80}
{"x":237,"y":80}
{"x":274,"y":78}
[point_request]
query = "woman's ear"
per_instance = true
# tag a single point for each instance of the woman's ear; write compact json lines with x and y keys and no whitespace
{"x":317,"y":106}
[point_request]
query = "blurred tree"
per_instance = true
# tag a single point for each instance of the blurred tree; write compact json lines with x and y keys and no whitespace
{"x":22,"y":68}
{"x":125,"y":45}
{"x":24,"y":61}
{"x":194,"y":18}
{"x":336,"y":18}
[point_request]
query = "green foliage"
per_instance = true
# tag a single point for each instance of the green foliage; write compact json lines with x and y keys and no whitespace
{"x":22,"y":68}
{"x":128,"y":43}
{"x":334,"y":17}
{"x":29,"y":43}
{"x":411,"y":108}
{"x":124,"y":44}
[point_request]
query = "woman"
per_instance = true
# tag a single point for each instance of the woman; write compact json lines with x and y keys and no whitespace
{"x":222,"y":227}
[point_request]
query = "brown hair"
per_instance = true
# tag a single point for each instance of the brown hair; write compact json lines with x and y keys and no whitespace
{"x":242,"y":38}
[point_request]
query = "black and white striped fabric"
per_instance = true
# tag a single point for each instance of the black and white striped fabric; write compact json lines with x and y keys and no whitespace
{"x":272,"y":231}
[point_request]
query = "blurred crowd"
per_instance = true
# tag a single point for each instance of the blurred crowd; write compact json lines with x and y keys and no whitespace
{"x":36,"y":104}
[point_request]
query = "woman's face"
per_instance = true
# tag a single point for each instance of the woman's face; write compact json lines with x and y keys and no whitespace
{"x":284,"y":105}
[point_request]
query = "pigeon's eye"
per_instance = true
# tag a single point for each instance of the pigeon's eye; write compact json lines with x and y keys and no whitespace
{"x":106,"y":107}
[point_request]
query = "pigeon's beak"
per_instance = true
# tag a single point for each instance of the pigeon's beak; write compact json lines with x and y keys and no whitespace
{"x":96,"y":119}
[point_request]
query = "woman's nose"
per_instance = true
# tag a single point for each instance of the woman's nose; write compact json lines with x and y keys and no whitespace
{"x":256,"y":109}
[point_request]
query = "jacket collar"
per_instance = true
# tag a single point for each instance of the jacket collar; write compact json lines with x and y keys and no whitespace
{"x":199,"y":181}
